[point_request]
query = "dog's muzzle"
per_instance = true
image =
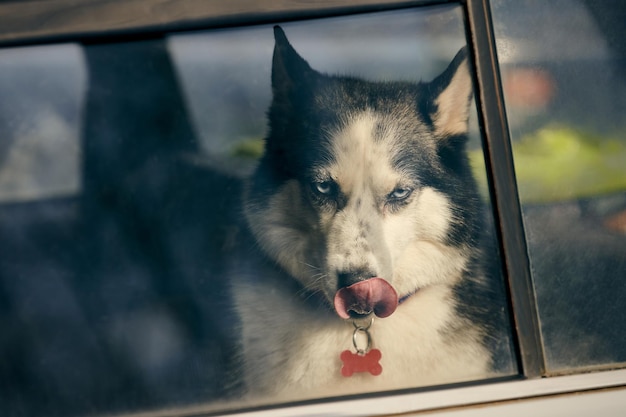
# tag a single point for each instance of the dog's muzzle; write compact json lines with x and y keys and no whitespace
{"x":374,"y":295}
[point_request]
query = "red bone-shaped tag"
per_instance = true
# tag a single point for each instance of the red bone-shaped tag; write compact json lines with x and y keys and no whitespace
{"x":355,"y":362}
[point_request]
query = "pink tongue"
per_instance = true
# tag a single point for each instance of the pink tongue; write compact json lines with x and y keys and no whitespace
{"x":372,"y":295}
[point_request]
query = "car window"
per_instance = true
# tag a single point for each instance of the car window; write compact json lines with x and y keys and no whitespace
{"x":40,"y":121}
{"x":156,"y":248}
{"x":562,"y":67}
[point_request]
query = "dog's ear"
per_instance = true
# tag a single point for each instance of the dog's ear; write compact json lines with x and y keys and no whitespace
{"x":290,"y":72}
{"x":451,"y":94}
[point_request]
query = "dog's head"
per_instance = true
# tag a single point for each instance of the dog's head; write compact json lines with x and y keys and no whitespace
{"x":364,"y":180}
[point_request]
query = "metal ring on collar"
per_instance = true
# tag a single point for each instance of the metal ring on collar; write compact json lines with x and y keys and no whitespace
{"x":355,"y":341}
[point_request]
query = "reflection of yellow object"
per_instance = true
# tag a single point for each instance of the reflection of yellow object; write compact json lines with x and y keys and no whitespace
{"x":558,"y":163}
{"x":250,"y":148}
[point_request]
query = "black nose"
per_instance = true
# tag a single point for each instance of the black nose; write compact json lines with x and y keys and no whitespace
{"x":347,"y":278}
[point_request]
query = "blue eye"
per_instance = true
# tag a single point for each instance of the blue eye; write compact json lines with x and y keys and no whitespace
{"x":400,"y":193}
{"x":324,"y":187}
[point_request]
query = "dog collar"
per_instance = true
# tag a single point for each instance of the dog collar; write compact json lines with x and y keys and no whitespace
{"x":407,"y":296}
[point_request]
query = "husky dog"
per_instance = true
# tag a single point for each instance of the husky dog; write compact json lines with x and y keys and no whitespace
{"x":363,"y":207}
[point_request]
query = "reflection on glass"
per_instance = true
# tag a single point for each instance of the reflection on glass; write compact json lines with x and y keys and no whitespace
{"x":41,"y":94}
{"x":564,"y":81}
{"x":131,"y":276}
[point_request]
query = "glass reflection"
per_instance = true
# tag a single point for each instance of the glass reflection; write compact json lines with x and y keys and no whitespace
{"x":563,"y":71}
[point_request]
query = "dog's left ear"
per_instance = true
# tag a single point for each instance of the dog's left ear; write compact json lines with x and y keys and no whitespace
{"x":451,"y":93}
{"x":290,"y":72}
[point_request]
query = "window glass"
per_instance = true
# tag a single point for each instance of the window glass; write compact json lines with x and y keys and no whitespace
{"x":157,"y":253}
{"x":564,"y":78}
{"x":42,"y":90}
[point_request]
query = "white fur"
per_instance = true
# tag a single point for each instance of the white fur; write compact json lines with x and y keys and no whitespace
{"x":294,"y":354}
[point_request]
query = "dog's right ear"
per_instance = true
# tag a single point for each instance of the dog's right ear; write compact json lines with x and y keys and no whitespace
{"x":290,"y":73}
{"x":451,"y":94}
